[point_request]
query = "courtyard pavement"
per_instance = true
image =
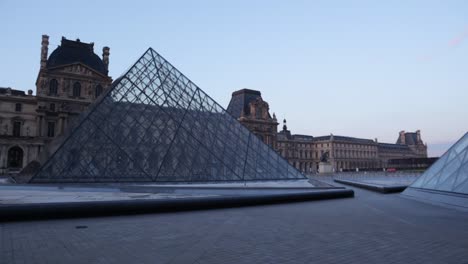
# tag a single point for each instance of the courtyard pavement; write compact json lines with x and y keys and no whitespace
{"x":379,"y":178}
{"x":370,"y":228}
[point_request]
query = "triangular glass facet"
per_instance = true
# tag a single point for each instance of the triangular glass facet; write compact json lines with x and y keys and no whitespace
{"x":155,"y":125}
{"x":461,"y":177}
{"x":450,"y":172}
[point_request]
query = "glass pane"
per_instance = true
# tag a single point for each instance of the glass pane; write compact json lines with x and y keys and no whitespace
{"x":154,"y":124}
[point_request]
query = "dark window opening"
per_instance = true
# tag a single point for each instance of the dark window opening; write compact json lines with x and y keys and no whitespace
{"x":52,"y":107}
{"x":51,"y":129}
{"x":98,"y":91}
{"x":15,"y":158}
{"x":18,"y":107}
{"x":53,"y":87}
{"x":17,"y":129}
{"x":77,"y":89}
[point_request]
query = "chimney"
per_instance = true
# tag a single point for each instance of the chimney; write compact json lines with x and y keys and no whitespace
{"x":402,"y":137}
{"x":105,"y":57}
{"x":44,"y":51}
{"x":418,"y":136}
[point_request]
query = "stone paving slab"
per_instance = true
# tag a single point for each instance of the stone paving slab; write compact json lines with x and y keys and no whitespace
{"x":371,"y":228}
{"x":39,"y":196}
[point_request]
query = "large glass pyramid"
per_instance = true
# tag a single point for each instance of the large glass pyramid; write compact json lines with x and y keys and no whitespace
{"x":450,"y":172}
{"x":155,"y":125}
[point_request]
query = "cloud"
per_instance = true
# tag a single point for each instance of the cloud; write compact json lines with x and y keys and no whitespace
{"x":459,"y":39}
{"x":451,"y":44}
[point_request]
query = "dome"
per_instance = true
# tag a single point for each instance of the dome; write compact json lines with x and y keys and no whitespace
{"x":75,"y":51}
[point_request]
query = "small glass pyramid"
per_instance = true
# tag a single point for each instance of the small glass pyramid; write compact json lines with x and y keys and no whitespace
{"x":450,"y":172}
{"x":155,"y":125}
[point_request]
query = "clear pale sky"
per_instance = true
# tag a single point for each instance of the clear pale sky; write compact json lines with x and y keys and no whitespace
{"x":355,"y":68}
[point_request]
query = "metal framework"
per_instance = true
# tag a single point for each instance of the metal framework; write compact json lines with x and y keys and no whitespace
{"x":450,"y":172}
{"x":155,"y":125}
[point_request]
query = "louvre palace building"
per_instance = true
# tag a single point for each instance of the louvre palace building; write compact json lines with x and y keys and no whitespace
{"x":69,"y":80}
{"x":72,"y":77}
{"x":305,"y":152}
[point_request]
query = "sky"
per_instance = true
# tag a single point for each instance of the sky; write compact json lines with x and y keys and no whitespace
{"x":365,"y":69}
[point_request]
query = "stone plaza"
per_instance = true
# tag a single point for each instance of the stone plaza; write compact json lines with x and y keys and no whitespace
{"x":369,"y":228}
{"x":150,"y":169}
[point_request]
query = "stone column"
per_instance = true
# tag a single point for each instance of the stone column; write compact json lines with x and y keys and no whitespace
{"x":27,"y":159}
{"x":44,"y":51}
{"x":39,"y":127}
{"x":3,"y":157}
{"x":105,"y":57}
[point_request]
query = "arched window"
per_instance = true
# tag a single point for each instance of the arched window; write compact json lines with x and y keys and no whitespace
{"x":53,"y":87}
{"x":98,"y":91}
{"x":15,"y":158}
{"x":77,"y":89}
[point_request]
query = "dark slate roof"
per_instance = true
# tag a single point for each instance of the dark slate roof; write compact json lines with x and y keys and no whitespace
{"x":240,"y":101}
{"x":410,"y":139}
{"x":75,"y":51}
{"x":284,"y":134}
{"x":302,"y":137}
{"x":394,"y":146}
{"x":13,"y":91}
{"x":342,"y":138}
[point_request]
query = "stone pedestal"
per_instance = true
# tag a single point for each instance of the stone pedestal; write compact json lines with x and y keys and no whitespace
{"x":325,"y":167}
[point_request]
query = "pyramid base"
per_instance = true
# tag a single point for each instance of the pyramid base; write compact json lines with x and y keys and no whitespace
{"x":438,"y":197}
{"x":141,"y":200}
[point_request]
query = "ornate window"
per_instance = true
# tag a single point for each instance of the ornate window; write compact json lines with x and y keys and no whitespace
{"x":98,"y":91}
{"x":76,"y":89}
{"x":53,"y":87}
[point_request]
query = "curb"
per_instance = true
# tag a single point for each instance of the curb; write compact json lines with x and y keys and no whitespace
{"x":372,"y":187}
{"x":14,"y":212}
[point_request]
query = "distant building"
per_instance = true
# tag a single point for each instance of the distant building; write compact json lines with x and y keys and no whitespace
{"x":69,"y":80}
{"x":298,"y":150}
{"x":73,"y":77}
{"x":344,"y":153}
{"x":248,"y":107}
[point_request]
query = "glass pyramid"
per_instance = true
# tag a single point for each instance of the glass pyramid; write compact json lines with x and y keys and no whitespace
{"x":155,"y":125}
{"x":450,"y":172}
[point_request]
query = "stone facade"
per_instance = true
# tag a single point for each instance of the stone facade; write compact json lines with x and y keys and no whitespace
{"x":254,"y":113}
{"x":343,"y":153}
{"x":73,"y":77}
{"x":298,"y":150}
{"x":69,"y":80}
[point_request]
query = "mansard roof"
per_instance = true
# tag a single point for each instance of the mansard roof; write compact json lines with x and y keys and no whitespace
{"x":343,"y":138}
{"x":240,"y":100}
{"x":411,"y":138}
{"x":394,"y":146}
{"x":70,"y":52}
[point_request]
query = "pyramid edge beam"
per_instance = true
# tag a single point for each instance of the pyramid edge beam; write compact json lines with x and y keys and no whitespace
{"x":216,"y":102}
{"x":86,"y":114}
{"x":118,"y":81}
